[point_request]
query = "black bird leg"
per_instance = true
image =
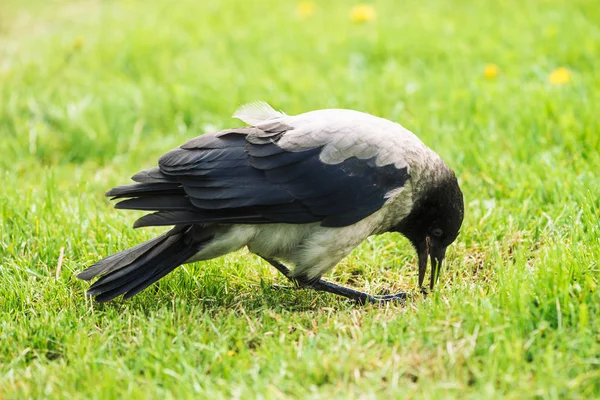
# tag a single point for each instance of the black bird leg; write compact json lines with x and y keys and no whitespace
{"x":322,"y":285}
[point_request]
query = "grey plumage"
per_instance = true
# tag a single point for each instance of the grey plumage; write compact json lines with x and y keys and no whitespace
{"x":303,"y":190}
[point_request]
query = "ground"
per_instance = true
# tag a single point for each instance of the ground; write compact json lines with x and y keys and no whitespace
{"x":508,"y":93}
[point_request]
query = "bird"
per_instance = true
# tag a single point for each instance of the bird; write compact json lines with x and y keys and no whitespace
{"x":299,"y":191}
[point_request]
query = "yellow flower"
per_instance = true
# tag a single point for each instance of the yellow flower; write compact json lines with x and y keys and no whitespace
{"x":491,"y":71}
{"x":560,"y":76}
{"x":305,"y":9}
{"x":77,"y":43}
{"x":362,"y":13}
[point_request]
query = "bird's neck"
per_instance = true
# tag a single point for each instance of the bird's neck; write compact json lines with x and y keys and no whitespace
{"x":432,"y":170}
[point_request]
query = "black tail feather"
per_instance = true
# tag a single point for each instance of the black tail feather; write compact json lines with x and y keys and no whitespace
{"x":122,"y":274}
{"x":115,"y":261}
{"x":133,"y":270}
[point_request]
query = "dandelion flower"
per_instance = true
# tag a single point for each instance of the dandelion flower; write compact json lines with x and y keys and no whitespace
{"x":491,"y":71}
{"x":560,"y":76}
{"x":77,"y":43}
{"x":362,"y":13}
{"x":305,"y":9}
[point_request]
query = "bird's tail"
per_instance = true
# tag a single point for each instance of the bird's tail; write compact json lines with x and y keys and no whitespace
{"x":133,"y":270}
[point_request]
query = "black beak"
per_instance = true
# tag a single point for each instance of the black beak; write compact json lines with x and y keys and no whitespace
{"x":423,"y":252}
{"x":437,"y":253}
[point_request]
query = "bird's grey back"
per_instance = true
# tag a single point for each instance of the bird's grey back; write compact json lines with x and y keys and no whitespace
{"x":342,"y":134}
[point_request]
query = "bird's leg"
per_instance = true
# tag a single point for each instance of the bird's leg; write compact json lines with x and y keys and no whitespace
{"x":284,"y":270}
{"x":322,"y":285}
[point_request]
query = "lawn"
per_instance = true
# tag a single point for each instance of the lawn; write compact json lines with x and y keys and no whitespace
{"x":508,"y":93}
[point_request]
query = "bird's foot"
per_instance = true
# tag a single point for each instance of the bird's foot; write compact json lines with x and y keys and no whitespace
{"x":284,"y":287}
{"x":361,"y":298}
{"x":325,"y":286}
{"x":398,"y":297}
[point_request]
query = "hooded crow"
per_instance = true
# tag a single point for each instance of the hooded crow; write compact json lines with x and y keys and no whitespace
{"x":301,"y":190}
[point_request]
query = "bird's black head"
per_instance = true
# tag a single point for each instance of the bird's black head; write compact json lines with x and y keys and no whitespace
{"x":433,"y":224}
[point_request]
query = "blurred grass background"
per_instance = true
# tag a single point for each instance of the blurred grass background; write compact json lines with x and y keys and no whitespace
{"x":507,"y":92}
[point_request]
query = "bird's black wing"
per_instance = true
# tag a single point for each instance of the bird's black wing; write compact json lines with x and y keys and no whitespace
{"x":236,"y":176}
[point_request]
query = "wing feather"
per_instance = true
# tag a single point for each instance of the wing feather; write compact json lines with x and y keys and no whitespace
{"x":245,"y":176}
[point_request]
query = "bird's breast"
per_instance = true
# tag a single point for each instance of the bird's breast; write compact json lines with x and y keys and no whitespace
{"x":280,"y":241}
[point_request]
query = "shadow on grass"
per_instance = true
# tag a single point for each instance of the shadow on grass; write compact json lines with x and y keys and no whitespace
{"x":224,"y":294}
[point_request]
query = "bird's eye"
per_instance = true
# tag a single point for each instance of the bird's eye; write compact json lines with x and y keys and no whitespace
{"x":437,"y":232}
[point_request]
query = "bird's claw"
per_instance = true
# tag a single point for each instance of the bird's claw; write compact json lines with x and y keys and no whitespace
{"x":398,"y":297}
{"x":283,"y":287}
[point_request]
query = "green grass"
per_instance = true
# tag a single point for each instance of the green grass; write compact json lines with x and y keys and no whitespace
{"x":91,"y":92}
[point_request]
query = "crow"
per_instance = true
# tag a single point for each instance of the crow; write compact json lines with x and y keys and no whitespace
{"x":300,"y":191}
